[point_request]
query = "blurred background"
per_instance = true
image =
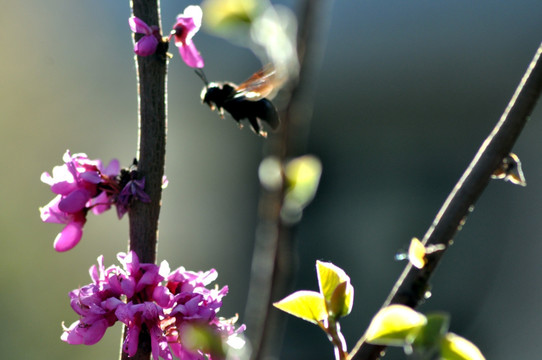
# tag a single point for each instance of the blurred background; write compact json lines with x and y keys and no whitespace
{"x":406,"y":94}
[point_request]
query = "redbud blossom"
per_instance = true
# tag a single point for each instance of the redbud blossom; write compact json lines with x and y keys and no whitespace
{"x":168,"y":304}
{"x":77,"y":185}
{"x":187,"y":25}
{"x":81,"y":185}
{"x":151,"y":36}
{"x":133,"y":190}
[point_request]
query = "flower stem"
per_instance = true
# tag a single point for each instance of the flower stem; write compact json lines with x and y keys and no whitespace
{"x":143,"y":217}
{"x":412,"y":284}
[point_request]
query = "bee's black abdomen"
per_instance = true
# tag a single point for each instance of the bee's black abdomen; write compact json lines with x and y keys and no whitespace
{"x":269,"y":113}
{"x":240,"y":108}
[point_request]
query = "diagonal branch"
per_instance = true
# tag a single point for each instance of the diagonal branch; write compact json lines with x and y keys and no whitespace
{"x":412,"y":284}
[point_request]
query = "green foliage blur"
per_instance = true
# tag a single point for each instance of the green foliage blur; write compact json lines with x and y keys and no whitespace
{"x":406,"y":94}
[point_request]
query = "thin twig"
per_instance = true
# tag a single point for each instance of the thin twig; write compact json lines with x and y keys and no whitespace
{"x":412,"y":284}
{"x":143,"y":217}
{"x":274,"y":258}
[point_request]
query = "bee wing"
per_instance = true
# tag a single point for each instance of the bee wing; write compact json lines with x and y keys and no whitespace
{"x":260,"y":85}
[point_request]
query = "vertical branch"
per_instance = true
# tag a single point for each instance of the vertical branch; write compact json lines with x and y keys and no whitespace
{"x":143,"y":217}
{"x":274,"y":256}
{"x":412,"y":284}
{"x":151,"y":75}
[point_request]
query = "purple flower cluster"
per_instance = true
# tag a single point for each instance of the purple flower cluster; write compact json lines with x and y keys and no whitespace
{"x":81,"y":185}
{"x":168,"y":304}
{"x":187,"y":25}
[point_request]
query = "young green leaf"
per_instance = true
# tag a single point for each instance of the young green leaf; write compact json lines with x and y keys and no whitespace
{"x":454,"y":347}
{"x":341,"y":300}
{"x":329,"y":277}
{"x":307,"y":305}
{"x":338,"y":301}
{"x":428,"y":341}
{"x":395,"y":325}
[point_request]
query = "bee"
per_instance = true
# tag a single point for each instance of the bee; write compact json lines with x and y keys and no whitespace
{"x":245,"y":101}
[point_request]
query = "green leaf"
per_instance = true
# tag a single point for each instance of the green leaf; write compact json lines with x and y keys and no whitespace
{"x":341,"y":300}
{"x":454,"y":347}
{"x":428,"y":341}
{"x":307,"y":305}
{"x":395,"y":325}
{"x":330,"y":277}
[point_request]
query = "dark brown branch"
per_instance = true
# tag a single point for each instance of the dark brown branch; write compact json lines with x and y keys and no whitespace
{"x":412,"y":284}
{"x":151,"y":79}
{"x":274,"y":257}
{"x":151,"y":73}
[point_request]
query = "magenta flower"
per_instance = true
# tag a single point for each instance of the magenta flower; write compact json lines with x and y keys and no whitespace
{"x":151,"y":36}
{"x":81,"y":185}
{"x":187,"y":25}
{"x":134,"y":316}
{"x":96,"y":309}
{"x":133,"y":190}
{"x":77,"y":185}
{"x":169,"y":305}
{"x":95,"y":304}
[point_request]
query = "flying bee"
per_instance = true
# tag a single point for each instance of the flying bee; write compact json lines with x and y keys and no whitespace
{"x":246,"y":101}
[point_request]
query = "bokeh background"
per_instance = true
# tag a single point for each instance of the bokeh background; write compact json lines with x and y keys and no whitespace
{"x":407,"y":92}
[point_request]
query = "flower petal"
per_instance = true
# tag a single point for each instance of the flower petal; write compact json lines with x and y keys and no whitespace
{"x":92,"y":177}
{"x":113,"y":168}
{"x":95,"y":332}
{"x":69,"y":237}
{"x":71,"y":336}
{"x":191,"y":55}
{"x":162,"y":296}
{"x":139,"y":26}
{"x":159,"y":344}
{"x":51,"y":214}
{"x":146,"y":45}
{"x":75,"y":201}
{"x":132,"y":340}
{"x":63,"y":187}
{"x":88,"y":334}
{"x":185,"y":29}
{"x":47,"y":178}
{"x":194,"y":12}
{"x":99,"y":204}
